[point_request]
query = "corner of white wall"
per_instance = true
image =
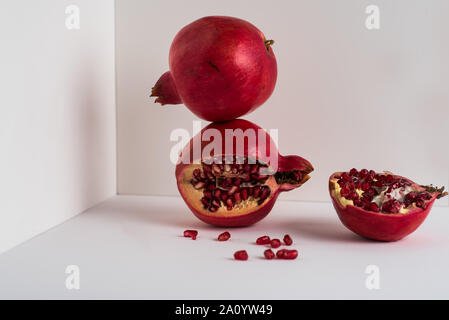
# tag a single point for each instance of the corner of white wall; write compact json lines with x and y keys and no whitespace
{"x":57,"y":117}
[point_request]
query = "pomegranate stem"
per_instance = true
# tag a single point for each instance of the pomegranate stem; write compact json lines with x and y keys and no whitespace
{"x":268,"y":43}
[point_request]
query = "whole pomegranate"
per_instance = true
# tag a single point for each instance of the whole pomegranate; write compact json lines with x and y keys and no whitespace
{"x":381,"y":206}
{"x":220,"y":67}
{"x":233,"y":184}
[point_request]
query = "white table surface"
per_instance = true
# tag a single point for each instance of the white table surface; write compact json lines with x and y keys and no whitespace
{"x":131,"y":247}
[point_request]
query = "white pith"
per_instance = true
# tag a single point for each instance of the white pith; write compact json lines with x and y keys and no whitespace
{"x":397,"y":194}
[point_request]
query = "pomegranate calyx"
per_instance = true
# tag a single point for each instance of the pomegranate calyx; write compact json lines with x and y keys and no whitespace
{"x":165,"y":90}
{"x":432,"y":189}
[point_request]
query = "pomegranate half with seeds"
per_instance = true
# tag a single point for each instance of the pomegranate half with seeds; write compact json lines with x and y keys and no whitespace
{"x":236,"y":184}
{"x":381,"y":206}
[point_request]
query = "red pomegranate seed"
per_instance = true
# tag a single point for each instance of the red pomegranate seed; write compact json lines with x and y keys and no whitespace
{"x":196,"y":173}
{"x":191,"y":234}
{"x":353,"y":172}
{"x":366,"y":186}
{"x":287,"y":254}
{"x":352,"y":195}
{"x":290,"y":254}
{"x":426,"y":196}
{"x":275,"y":243}
{"x":237,"y":197}
{"x":269,"y":254}
{"x":363,"y":173}
{"x":224,"y":236}
{"x":263,"y":240}
{"x":288,"y":240}
{"x":358,"y":203}
{"x":207,"y":194}
{"x":264,"y":193}
{"x":344,"y":192}
{"x":420,"y":203}
{"x":379,"y":184}
{"x":346,"y":177}
{"x":256,"y":192}
{"x":244,"y":194}
{"x":241,"y":255}
{"x":254,"y":168}
{"x":281,"y":253}
{"x":372,"y":206}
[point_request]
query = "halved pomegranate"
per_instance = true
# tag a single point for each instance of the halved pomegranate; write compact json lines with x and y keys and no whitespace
{"x":236,"y":188}
{"x":381,"y":206}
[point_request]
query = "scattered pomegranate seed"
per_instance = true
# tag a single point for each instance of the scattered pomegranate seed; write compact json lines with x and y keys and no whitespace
{"x":287,"y":254}
{"x":288,"y":240}
{"x":263,"y":240}
{"x":224,"y":236}
{"x":241,"y":255}
{"x":290,"y":254}
{"x":191,"y":234}
{"x":269,"y":254}
{"x":281,"y":253}
{"x":275,"y":243}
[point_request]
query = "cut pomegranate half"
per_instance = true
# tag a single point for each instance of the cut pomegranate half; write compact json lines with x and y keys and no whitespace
{"x":237,"y":189}
{"x":381,"y":206}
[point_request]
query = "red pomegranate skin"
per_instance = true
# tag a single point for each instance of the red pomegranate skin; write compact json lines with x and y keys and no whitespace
{"x":377,"y":225}
{"x":220,"y":68}
{"x":285,"y":163}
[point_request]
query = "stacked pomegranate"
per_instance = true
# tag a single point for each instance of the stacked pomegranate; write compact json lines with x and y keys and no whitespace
{"x":221,"y":68}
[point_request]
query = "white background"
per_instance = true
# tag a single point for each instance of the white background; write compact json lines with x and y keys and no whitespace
{"x":57,"y":114}
{"x":345,"y":97}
